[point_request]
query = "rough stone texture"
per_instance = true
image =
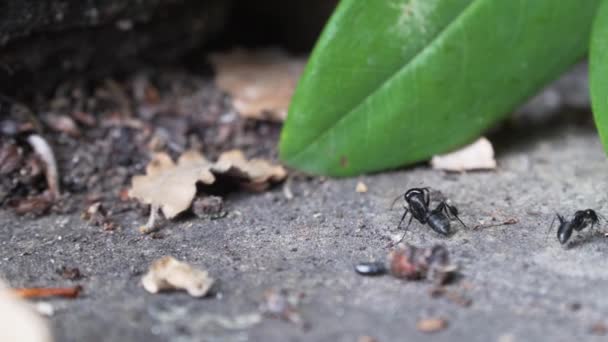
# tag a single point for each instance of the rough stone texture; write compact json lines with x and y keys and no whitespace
{"x":523,"y":283}
{"x":43,"y":42}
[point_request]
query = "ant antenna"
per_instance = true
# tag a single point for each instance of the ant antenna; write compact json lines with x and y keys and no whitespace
{"x":405,"y":231}
{"x":395,"y":200}
{"x":552,"y":223}
{"x":452,"y":211}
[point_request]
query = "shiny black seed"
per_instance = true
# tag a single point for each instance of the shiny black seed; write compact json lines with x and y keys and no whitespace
{"x":370,"y":268}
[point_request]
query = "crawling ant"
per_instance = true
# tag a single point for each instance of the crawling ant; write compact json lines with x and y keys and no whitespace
{"x":418,"y":201}
{"x":580,"y":221}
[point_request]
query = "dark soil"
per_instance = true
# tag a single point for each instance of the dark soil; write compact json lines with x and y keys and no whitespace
{"x":103,"y":133}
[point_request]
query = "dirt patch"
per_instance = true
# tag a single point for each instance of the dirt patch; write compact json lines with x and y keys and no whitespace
{"x":103,"y":133}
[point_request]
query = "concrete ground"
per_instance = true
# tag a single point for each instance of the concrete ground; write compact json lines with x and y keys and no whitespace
{"x":523,"y":284}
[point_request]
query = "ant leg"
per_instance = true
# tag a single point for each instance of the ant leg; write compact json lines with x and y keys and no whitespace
{"x":403,"y":218}
{"x":451,"y":211}
{"x":395,"y":201}
{"x":550,"y":228}
{"x":405,"y":231}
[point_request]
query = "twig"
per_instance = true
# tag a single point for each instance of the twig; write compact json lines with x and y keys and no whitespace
{"x":505,"y":223}
{"x":41,"y":292}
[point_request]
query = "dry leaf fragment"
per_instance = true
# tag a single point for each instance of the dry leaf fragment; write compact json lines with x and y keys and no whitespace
{"x":260,"y":82}
{"x":172,"y":187}
{"x":476,"y":156}
{"x":256,"y":174}
{"x":361,"y":187}
{"x":282,"y":304}
{"x":168,"y":273}
{"x":430,"y":325}
{"x":19,"y":322}
{"x":169,"y":186}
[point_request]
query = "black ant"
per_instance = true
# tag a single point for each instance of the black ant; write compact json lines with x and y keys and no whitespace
{"x":418,"y":201}
{"x":580,"y":221}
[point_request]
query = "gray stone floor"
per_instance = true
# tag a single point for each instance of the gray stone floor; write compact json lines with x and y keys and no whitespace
{"x":523,"y":283}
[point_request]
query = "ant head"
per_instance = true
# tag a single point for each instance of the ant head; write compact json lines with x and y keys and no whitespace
{"x":560,"y":218}
{"x":591,"y":214}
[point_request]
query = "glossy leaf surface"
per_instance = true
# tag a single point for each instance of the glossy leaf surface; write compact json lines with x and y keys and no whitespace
{"x":391,"y":83}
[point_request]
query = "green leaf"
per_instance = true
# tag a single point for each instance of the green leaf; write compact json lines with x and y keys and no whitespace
{"x":598,"y":72}
{"x":391,"y":83}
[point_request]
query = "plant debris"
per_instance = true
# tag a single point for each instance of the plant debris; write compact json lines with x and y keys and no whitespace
{"x":366,"y":338}
{"x":599,"y":328}
{"x":70,"y":273}
{"x":167,"y":273}
{"x":172,"y":187}
{"x":504,"y":223}
{"x":254,"y":174}
{"x":451,"y":295}
{"x":208,"y":206}
{"x":43,"y":292}
{"x":282,"y":304}
{"x":19,"y":322}
{"x":361,"y":187}
{"x":431,"y":325}
{"x":42,"y":148}
{"x":476,"y":156}
{"x":261,"y":82}
{"x":413,"y":263}
{"x":97,"y":215}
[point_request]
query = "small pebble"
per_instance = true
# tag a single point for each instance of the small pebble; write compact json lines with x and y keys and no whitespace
{"x":370,"y":268}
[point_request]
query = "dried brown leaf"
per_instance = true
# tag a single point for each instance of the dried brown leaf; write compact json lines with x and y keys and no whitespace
{"x":255,"y":174}
{"x":261,"y":82}
{"x":171,"y":186}
{"x":167,"y":273}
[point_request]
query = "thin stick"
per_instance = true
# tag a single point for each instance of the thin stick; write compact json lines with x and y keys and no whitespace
{"x":41,"y":292}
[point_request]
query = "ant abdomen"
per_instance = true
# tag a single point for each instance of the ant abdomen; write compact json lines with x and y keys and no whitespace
{"x":439,"y":223}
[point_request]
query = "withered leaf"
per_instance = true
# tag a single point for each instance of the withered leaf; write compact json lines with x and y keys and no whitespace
{"x":172,"y":187}
{"x":476,"y":156}
{"x":261,"y":82}
{"x":255,"y":174}
{"x":169,"y":186}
